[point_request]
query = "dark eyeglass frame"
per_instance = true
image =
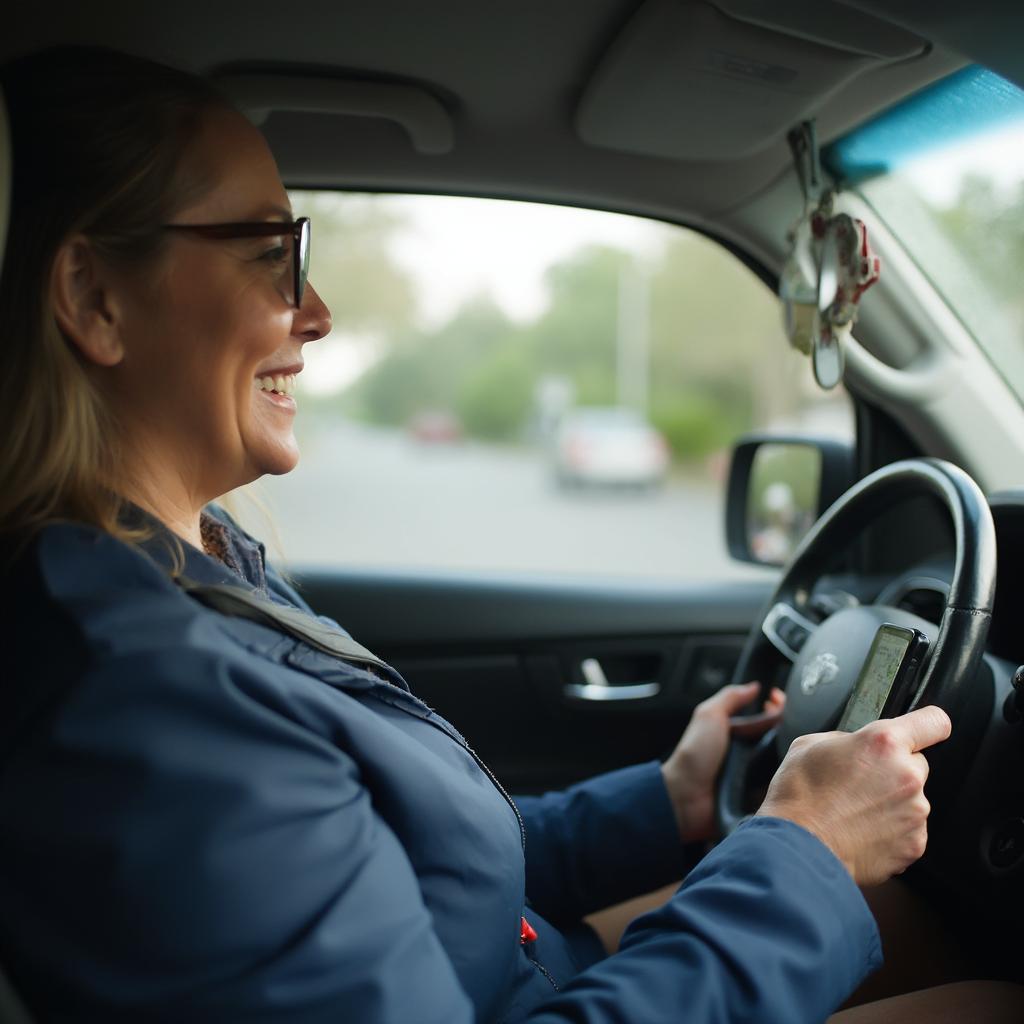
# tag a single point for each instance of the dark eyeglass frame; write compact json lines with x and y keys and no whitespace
{"x":299,"y":229}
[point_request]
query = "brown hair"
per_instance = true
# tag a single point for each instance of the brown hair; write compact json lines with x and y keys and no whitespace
{"x":96,"y":138}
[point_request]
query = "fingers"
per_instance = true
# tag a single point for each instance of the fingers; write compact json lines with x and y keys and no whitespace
{"x":749,"y":726}
{"x":731,"y":699}
{"x":922,"y":728}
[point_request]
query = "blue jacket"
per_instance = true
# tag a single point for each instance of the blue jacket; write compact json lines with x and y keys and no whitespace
{"x":203,"y":819}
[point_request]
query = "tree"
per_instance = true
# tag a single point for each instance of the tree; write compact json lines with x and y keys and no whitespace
{"x":987,"y":225}
{"x":429,"y":370}
{"x":718,"y":356}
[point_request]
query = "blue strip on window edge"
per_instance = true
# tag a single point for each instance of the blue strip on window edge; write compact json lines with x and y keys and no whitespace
{"x":968,"y":102}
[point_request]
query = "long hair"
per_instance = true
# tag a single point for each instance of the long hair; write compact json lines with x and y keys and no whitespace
{"x":97,"y":138}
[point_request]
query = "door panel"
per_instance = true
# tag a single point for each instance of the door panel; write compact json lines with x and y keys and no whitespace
{"x":511,"y":662}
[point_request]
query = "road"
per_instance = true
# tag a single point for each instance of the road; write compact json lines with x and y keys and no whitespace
{"x":363,"y":497}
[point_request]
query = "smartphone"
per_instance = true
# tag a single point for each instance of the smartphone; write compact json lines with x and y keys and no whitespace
{"x":886,"y":683}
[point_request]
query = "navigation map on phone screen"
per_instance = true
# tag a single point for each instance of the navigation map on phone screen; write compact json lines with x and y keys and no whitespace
{"x":876,"y":678}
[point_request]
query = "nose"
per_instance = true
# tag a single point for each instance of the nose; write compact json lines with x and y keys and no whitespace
{"x":312,"y":321}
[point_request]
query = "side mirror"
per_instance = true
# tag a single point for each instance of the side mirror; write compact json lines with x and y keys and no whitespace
{"x":778,"y":487}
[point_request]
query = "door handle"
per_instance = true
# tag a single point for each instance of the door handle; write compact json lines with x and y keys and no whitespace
{"x":597,"y":687}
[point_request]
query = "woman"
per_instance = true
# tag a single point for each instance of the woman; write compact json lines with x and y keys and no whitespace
{"x":214,"y":806}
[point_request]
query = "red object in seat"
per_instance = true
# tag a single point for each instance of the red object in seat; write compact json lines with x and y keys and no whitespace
{"x":526,"y":933}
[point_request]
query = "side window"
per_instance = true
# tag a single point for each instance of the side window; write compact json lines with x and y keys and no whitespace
{"x":521,"y":388}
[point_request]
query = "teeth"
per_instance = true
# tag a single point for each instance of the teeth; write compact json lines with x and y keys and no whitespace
{"x":283,"y":385}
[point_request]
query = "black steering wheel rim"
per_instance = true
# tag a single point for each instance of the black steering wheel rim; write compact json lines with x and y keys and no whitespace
{"x":960,"y":641}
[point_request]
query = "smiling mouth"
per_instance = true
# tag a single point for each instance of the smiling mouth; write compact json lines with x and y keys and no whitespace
{"x":282,"y":384}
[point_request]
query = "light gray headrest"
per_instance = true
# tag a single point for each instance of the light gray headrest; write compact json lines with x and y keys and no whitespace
{"x":5,"y":177}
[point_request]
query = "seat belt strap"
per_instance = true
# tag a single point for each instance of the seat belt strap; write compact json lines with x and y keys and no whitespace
{"x":245,"y":604}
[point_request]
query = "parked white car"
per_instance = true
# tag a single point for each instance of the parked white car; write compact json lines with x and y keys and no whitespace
{"x":609,"y":446}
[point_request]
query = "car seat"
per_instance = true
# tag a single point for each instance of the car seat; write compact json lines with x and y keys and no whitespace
{"x":12,"y":1011}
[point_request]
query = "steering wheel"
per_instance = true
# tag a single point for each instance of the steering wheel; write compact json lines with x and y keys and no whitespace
{"x":825,"y":658}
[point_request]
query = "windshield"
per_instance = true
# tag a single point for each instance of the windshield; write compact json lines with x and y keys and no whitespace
{"x":945,"y":171}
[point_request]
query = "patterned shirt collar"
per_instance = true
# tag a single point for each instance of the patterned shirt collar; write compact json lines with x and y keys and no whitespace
{"x":235,"y":556}
{"x":226,"y":542}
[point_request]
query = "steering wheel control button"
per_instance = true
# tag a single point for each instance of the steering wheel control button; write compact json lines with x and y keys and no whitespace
{"x":1006,"y":847}
{"x":793,"y":633}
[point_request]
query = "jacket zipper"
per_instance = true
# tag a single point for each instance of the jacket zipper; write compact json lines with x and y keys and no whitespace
{"x":472,"y":753}
{"x":501,"y":789}
{"x":543,"y":970}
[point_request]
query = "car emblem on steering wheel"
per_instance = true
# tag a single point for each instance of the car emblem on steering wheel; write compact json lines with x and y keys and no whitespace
{"x":823,"y":669}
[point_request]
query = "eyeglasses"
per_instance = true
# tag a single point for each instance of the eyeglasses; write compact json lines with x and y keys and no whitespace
{"x":297,"y":230}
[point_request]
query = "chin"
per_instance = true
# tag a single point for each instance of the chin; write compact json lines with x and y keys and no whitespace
{"x":276,"y":460}
{"x":281,"y":465}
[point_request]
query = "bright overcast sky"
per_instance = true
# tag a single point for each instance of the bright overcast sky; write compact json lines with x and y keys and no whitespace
{"x":457,"y":247}
{"x":501,"y":247}
{"x":998,"y":155}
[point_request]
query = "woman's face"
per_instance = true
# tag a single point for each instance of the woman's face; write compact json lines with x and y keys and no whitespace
{"x":204,"y":331}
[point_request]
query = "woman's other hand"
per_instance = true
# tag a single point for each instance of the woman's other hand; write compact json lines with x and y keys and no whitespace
{"x":691,"y":771}
{"x":862,"y":793}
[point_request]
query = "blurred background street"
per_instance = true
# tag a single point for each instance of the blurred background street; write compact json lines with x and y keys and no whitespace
{"x":366,"y":496}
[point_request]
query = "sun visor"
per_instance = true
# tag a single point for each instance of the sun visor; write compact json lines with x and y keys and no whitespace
{"x":688,"y":81}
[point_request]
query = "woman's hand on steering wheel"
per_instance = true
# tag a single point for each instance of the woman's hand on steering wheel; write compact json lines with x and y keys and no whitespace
{"x":691,"y":771}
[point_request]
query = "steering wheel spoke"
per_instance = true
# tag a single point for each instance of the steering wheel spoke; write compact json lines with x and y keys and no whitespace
{"x":787,"y":630}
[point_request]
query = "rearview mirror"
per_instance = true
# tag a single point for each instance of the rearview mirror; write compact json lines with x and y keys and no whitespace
{"x":778,"y":487}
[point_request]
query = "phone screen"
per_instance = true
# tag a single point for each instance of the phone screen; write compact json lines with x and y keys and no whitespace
{"x":874,"y":684}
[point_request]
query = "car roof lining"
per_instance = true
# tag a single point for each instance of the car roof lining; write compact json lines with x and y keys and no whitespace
{"x":511,"y":78}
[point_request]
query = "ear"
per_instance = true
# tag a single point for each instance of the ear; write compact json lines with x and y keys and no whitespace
{"x":83,"y":303}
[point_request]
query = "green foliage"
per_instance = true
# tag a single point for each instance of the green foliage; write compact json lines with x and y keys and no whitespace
{"x":495,"y":400}
{"x":576,"y":334}
{"x":988,"y":226}
{"x":720,"y":362}
{"x":434,"y":370}
{"x":717,"y":355}
{"x":403,"y":383}
{"x":695,"y":425}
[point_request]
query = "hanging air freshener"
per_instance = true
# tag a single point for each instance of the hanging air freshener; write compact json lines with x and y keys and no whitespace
{"x":847,"y":267}
{"x":829,"y":266}
{"x":798,"y":282}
